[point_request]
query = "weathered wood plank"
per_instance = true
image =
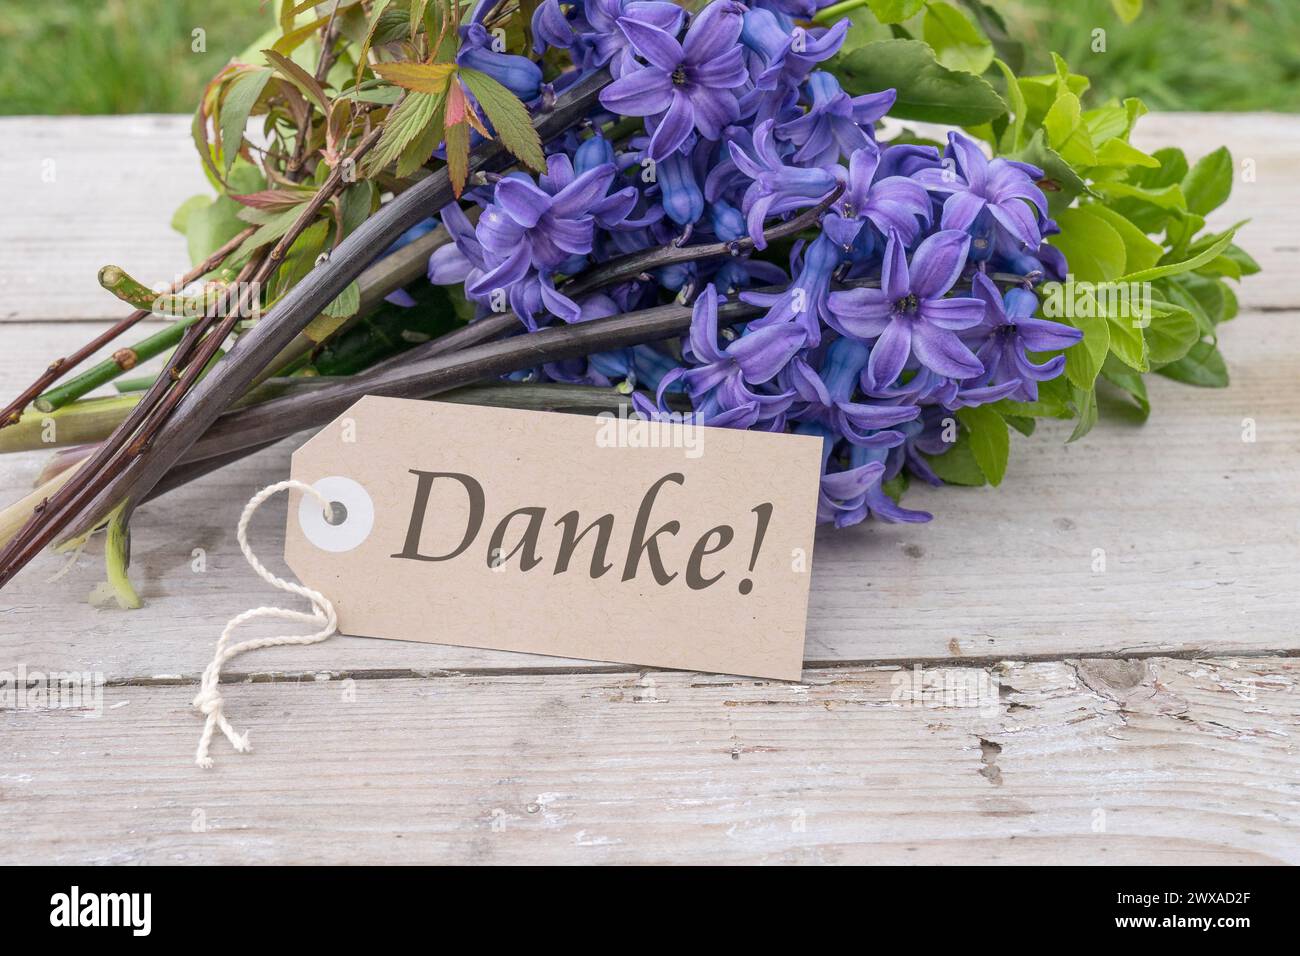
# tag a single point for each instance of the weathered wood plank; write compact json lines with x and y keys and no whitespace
{"x":117,"y":180}
{"x":1072,"y":762}
{"x":83,"y":192}
{"x":1200,"y":534}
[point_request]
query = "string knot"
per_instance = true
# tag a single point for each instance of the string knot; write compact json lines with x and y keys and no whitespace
{"x":208,"y":701}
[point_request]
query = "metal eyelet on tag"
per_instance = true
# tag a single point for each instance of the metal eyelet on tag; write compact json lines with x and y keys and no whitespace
{"x":355,"y":525}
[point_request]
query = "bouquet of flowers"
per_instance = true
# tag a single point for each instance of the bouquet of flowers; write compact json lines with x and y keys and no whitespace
{"x":709,"y":209}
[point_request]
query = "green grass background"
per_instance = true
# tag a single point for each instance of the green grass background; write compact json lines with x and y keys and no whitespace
{"x":135,"y":56}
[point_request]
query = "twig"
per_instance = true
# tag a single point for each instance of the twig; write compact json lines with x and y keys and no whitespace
{"x":630,"y":266}
{"x":278,"y":418}
{"x":123,"y":360}
{"x":116,"y":457}
{"x":254,"y":349}
{"x":60,"y":367}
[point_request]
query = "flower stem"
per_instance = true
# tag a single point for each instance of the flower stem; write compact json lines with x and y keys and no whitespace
{"x":123,"y":360}
{"x":832,"y":13}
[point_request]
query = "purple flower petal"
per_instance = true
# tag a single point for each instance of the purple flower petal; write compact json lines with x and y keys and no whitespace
{"x":1040,"y":335}
{"x":723,"y":73}
{"x":642,"y":92}
{"x":449,"y":266}
{"x":960,"y":210}
{"x":715,"y":109}
{"x":1019,"y":220}
{"x":704,"y":327}
{"x":505,"y":274}
{"x":654,"y":44}
{"x":580,"y":195}
{"x":715,"y":31}
{"x":944,"y":353}
{"x":954,"y":314}
{"x":895,"y":277}
{"x":938,"y":262}
{"x":970,"y":158}
{"x":673,"y":129}
{"x":762,"y":353}
{"x":889,"y":354}
{"x":860,"y":313}
{"x":524,"y":202}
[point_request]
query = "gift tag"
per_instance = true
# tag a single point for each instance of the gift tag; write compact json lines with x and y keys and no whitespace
{"x":599,"y":537}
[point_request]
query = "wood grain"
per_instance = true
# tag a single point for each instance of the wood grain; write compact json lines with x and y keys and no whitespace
{"x":1146,"y":712}
{"x":1087,"y":761}
{"x":1200,"y":535}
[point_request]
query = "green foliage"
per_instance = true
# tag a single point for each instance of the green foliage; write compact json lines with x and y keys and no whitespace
{"x":117,"y":56}
{"x":1147,"y":281}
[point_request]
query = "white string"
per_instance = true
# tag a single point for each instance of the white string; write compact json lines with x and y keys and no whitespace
{"x":208,"y":700}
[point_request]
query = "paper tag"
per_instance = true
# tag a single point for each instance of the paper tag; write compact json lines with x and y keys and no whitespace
{"x":598,"y":537}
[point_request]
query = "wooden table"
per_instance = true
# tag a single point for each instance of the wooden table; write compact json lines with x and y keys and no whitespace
{"x":1147,"y":712}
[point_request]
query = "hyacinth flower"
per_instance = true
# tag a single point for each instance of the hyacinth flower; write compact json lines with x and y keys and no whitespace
{"x":529,"y":226}
{"x":1012,"y":331}
{"x":927,"y":387}
{"x":722,"y":382}
{"x":520,"y":75}
{"x":978,"y":189}
{"x":680,"y":193}
{"x":849,"y":492}
{"x":835,"y":124}
{"x":826,"y":396}
{"x":894,"y":204}
{"x":909,"y":315}
{"x":776,"y":188}
{"x":684,"y":86}
{"x":805,"y":302}
{"x":593,"y":36}
{"x":788,"y":55}
{"x":874,"y":500}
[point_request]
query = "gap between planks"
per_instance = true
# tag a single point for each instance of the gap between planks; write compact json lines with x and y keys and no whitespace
{"x":1090,"y":761}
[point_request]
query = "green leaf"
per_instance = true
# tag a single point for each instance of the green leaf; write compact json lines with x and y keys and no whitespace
{"x":895,"y":11}
{"x":1187,"y":265}
{"x":406,"y":121}
{"x":990,"y":441}
{"x":1202,"y":365}
{"x":1127,"y":10}
{"x":1066,"y":132}
{"x":1014,"y":135}
{"x":1129,"y":382}
{"x":1172,"y":331}
{"x":210,"y":225}
{"x":1094,"y":249}
{"x":508,"y":116}
{"x":346,"y":304}
{"x":957,"y":465}
{"x":1083,"y":361}
{"x":181,"y":217}
{"x":1128,"y":343}
{"x":300,"y":78}
{"x":1116,"y":153}
{"x":1172,"y":169}
{"x":240,"y":98}
{"x":1060,"y":182}
{"x":1140,"y":251}
{"x":1207,"y":184}
{"x":957,"y":42}
{"x":927,"y":90}
{"x":1085,"y":400}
